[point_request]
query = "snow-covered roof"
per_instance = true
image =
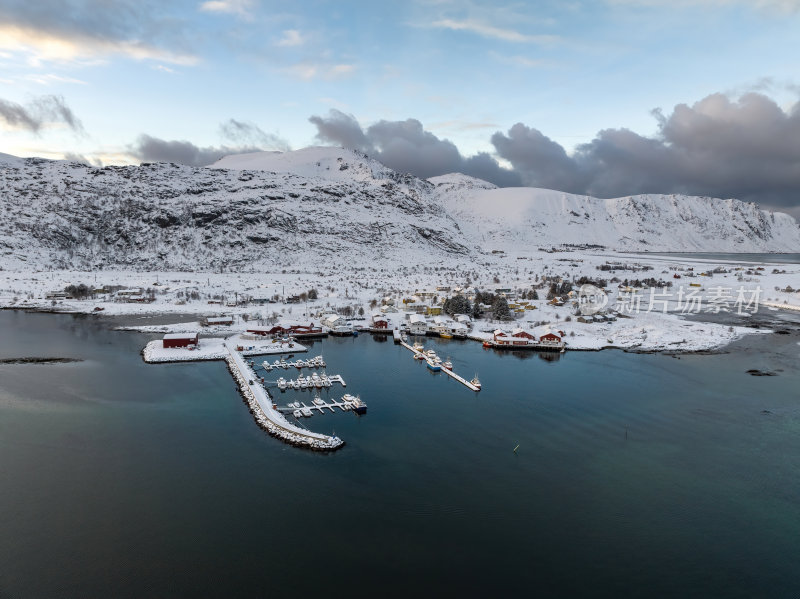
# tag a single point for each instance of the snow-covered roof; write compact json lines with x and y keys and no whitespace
{"x":415,"y":318}
{"x":180,"y":336}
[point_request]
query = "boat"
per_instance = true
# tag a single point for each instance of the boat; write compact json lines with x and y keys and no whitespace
{"x":303,"y":382}
{"x":318,"y":400}
{"x":446,"y":335}
{"x":267,"y":366}
{"x":305,"y":411}
{"x":436,"y":367}
{"x":487,"y":344}
{"x":476,"y":382}
{"x":347,"y":398}
{"x":359,"y":407}
{"x":281,"y":383}
{"x":418,"y":346}
{"x":448,"y":364}
{"x":297,"y":414}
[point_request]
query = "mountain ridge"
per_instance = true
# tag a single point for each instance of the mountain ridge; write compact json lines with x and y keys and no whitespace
{"x":329,"y":206}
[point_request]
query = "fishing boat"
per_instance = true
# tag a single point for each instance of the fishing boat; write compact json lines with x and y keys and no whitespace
{"x":318,"y":400}
{"x":281,"y":383}
{"x":359,"y":407}
{"x":297,"y":414}
{"x":419,"y":356}
{"x":446,"y":335}
{"x":476,"y":382}
{"x":305,"y":411}
{"x":267,"y":366}
{"x":418,"y":346}
{"x":448,"y":364}
{"x":432,"y":365}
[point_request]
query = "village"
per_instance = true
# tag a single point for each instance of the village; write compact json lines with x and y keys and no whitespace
{"x":511,"y":302}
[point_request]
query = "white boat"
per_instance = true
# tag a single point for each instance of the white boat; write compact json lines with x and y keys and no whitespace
{"x":281,"y":383}
{"x":303,"y":382}
{"x":305,"y":411}
{"x":267,"y":366}
{"x":318,"y":400}
{"x":347,"y":398}
{"x":476,"y":382}
{"x":448,"y":364}
{"x":297,"y":414}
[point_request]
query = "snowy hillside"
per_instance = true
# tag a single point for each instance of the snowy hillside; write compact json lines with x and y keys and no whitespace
{"x":348,"y":209}
{"x":319,"y":207}
{"x":518,"y":217}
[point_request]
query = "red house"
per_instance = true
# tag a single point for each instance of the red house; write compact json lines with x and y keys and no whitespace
{"x":264,"y":331}
{"x":550,"y":337}
{"x":180,"y":339}
{"x":379,"y":321}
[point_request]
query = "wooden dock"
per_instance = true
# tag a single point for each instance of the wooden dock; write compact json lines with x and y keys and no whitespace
{"x":448,"y":372}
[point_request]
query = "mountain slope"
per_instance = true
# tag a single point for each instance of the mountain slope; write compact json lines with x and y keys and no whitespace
{"x":165,"y":216}
{"x":518,"y":217}
{"x":323,"y":207}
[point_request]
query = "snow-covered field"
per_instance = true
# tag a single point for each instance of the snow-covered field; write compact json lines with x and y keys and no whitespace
{"x":653,"y":322}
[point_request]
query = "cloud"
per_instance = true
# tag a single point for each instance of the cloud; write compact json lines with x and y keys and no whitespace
{"x":291,"y":38}
{"x":487,"y":30}
{"x":746,"y":148}
{"x":245,"y":137}
{"x":251,"y":134}
{"x":310,"y":70}
{"x":152,"y":149}
{"x":407,"y":147}
{"x":53,"y":30}
{"x":39,"y":113}
{"x":242,"y":8}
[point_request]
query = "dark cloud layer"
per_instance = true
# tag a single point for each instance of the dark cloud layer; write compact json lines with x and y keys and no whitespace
{"x":153,"y":149}
{"x":33,"y":116}
{"x":245,"y":137}
{"x":407,"y":147}
{"x":746,"y":148}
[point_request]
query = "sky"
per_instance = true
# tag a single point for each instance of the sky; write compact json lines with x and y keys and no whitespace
{"x":602,"y":97}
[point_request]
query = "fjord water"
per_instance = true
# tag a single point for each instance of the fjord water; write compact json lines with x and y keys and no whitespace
{"x":635,"y":474}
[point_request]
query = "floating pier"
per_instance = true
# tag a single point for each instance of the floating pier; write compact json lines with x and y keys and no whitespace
{"x":354,"y":404}
{"x":447,"y":371}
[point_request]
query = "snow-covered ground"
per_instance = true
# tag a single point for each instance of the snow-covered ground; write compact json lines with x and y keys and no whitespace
{"x":214,"y":348}
{"x":658,"y":324}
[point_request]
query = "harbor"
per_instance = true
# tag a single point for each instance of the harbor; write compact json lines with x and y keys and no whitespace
{"x":348,"y":403}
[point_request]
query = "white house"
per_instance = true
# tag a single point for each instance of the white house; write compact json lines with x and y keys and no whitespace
{"x":417,"y":324}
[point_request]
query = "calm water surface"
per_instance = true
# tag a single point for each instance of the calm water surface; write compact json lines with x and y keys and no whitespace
{"x":636,"y":475}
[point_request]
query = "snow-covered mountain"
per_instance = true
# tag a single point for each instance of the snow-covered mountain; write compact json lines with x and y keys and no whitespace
{"x":313,"y":207}
{"x":324,"y":206}
{"x":511,"y":217}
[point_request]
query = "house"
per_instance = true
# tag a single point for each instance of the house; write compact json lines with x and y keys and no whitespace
{"x":516,"y":338}
{"x":433,"y":310}
{"x":337,"y":324}
{"x":379,"y":321}
{"x":181,"y":340}
{"x":551,"y":338}
{"x":417,"y":324}
{"x":219,"y":321}
{"x":464,"y":319}
{"x":266,"y":331}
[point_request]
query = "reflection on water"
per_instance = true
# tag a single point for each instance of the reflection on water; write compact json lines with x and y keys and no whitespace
{"x":633,"y":474}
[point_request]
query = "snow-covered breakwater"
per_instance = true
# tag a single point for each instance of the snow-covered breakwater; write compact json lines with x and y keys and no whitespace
{"x":267,"y":416}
